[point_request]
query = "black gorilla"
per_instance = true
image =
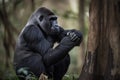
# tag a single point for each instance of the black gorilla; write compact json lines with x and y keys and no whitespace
{"x":34,"y":48}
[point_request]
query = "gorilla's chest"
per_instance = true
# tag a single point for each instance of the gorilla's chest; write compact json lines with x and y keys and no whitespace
{"x":50,"y":41}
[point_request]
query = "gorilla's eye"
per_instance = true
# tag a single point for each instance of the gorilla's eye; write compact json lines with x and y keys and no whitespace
{"x":41,"y":17}
{"x":53,"y":18}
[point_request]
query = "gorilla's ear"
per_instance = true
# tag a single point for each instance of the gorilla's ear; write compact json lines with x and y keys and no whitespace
{"x":41,"y":17}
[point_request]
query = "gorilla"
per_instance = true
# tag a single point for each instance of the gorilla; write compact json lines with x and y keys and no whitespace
{"x":35,"y":51}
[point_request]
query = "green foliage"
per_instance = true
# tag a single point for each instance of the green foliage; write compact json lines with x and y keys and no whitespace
{"x":7,"y":73}
{"x":26,"y":74}
{"x":70,"y":77}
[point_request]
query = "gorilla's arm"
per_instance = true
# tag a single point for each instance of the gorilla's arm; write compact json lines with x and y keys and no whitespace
{"x":37,"y":43}
{"x":61,"y":35}
{"x":54,"y":55}
{"x":35,"y":39}
{"x":67,"y":42}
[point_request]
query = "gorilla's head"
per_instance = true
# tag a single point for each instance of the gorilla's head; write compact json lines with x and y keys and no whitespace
{"x":47,"y":21}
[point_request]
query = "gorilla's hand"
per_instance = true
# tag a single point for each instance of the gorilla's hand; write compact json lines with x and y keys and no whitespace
{"x":75,"y":36}
{"x":67,"y":41}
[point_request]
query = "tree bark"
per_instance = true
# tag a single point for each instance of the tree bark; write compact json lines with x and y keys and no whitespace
{"x":103,"y":50}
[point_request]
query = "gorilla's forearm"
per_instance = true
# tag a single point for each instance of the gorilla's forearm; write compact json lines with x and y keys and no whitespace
{"x":55,"y":55}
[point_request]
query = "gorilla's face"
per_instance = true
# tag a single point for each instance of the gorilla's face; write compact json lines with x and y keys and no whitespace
{"x":49,"y":24}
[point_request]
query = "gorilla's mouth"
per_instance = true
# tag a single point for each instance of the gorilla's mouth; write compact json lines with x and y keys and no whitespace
{"x":55,"y":30}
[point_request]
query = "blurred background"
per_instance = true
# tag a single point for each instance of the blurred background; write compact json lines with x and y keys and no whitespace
{"x":72,"y":14}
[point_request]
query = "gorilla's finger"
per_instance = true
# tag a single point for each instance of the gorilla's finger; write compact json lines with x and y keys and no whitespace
{"x":75,"y":38}
{"x":73,"y":35}
{"x":68,"y":33}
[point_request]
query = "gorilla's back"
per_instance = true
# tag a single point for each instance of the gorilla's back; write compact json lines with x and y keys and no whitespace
{"x":22,"y":50}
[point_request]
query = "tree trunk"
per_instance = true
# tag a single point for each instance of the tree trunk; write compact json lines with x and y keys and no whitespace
{"x":103,"y":50}
{"x":8,"y":37}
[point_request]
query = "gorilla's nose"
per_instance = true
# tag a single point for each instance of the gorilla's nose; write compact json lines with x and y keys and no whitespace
{"x":57,"y":27}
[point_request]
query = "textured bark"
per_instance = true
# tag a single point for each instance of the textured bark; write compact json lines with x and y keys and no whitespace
{"x":103,"y":50}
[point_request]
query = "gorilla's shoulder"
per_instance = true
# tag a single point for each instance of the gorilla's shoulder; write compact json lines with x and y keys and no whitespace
{"x":31,"y":28}
{"x":32,"y":32}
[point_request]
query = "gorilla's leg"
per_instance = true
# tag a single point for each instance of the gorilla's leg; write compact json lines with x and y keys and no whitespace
{"x":61,"y":68}
{"x":33,"y":64}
